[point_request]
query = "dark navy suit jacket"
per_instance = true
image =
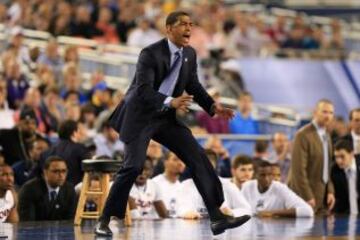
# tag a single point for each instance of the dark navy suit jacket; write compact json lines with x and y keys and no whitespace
{"x":342,"y":203}
{"x":142,"y":100}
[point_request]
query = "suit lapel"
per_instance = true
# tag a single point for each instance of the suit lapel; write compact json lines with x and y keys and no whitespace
{"x":316,"y":137}
{"x":166,"y":55}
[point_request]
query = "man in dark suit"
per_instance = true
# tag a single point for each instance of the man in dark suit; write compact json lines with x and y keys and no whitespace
{"x":345,"y":175}
{"x":50,"y":197}
{"x":70,"y":148}
{"x":354,"y":135}
{"x":164,"y":71}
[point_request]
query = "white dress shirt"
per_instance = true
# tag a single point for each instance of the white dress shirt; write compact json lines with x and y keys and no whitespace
{"x":277,"y":197}
{"x":351,"y":176}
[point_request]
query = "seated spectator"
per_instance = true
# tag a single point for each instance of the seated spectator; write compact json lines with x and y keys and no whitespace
{"x":295,"y":39}
{"x":169,"y":183}
{"x":88,"y":118}
{"x":60,"y":26}
{"x":23,"y":169}
{"x":213,"y":124}
{"x":50,"y":197}
{"x":346,"y":179}
{"x":270,"y":198}
{"x":125,"y":23}
{"x":192,"y":206}
{"x":52,"y":110}
{"x":6,"y":114}
{"x":242,"y":170}
{"x":277,"y":32}
{"x":276,"y":172}
{"x":52,"y":58}
{"x":116,"y":98}
{"x":71,"y":55}
{"x":145,"y":198}
{"x":261,"y":152}
{"x":281,"y":153}
{"x":73,"y":112}
{"x":143,"y":35}
{"x":32,"y":104}
{"x":72,"y":97}
{"x":107,"y":141}
{"x":81,"y":26}
{"x":100,"y":98}
{"x":8,"y":198}
{"x":16,"y":47}
{"x":72,"y":82}
{"x":243,"y":123}
{"x":70,"y":148}
{"x":223,"y":164}
{"x":156,"y":154}
{"x":14,"y":141}
{"x":105,"y":26}
{"x":17,"y":84}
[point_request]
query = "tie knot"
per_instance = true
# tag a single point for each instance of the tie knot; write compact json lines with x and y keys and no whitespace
{"x":52,"y":195}
{"x":177,"y":54}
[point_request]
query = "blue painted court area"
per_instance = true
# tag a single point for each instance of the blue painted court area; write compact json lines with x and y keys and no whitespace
{"x":177,"y":229}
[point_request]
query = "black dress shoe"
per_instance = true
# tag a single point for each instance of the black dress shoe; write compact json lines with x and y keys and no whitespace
{"x":102,"y":229}
{"x":220,"y":225}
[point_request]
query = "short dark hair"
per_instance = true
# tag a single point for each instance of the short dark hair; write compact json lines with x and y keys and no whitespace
{"x":344,"y":144}
{"x":264,"y":164}
{"x":52,"y":159}
{"x":67,"y":129}
{"x":352,"y":111}
{"x":241,"y":160}
{"x":173,"y":17}
{"x":71,"y":92}
{"x":261,"y":146}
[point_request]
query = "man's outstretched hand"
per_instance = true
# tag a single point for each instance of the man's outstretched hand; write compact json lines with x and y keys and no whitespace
{"x":224,"y":112}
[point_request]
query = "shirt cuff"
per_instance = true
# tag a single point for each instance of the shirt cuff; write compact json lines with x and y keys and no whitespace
{"x":167,"y":101}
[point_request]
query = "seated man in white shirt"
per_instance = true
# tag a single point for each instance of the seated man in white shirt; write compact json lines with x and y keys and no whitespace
{"x":145,"y":198}
{"x":191,"y":205}
{"x":270,"y":198}
{"x":242,"y":170}
{"x":169,"y":184}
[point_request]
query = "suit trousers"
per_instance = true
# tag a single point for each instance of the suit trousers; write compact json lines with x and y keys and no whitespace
{"x":177,"y":138}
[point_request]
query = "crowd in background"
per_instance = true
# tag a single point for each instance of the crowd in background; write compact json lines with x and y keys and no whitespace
{"x":139,"y":23}
{"x":52,"y":114}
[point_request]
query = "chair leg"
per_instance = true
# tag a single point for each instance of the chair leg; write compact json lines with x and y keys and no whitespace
{"x":82,"y":199}
{"x":104,"y":183}
{"x":127,"y":220}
